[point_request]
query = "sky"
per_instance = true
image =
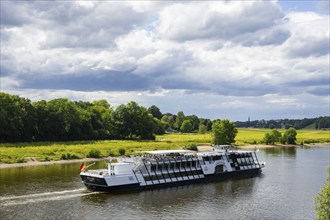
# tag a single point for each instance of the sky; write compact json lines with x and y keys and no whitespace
{"x":214,"y":59}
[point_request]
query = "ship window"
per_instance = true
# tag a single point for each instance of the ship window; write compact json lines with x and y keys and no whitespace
{"x":153,"y":167}
{"x":219,"y":169}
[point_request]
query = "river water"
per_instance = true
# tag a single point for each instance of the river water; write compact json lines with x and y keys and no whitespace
{"x":285,"y":190}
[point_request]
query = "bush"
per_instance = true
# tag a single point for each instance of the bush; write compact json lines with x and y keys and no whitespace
{"x":111,"y":153}
{"x":69,"y":156}
{"x":121,"y":151}
{"x":94,"y":153}
{"x":322,"y":201}
{"x":47,"y":159}
{"x":192,"y":147}
{"x":272,"y":137}
{"x":20,"y":160}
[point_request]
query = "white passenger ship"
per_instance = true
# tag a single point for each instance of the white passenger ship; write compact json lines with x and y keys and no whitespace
{"x":172,"y":167}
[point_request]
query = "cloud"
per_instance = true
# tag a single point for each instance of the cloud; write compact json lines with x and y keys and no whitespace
{"x":227,"y":52}
{"x":91,"y":81}
{"x":224,"y":20}
{"x":309,"y":35}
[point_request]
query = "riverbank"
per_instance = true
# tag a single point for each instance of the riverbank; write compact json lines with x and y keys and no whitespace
{"x":32,"y":162}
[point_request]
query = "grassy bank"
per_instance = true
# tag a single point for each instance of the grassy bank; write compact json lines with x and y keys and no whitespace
{"x":50,"y":151}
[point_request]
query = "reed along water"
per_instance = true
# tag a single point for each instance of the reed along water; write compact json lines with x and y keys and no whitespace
{"x":284,"y":190}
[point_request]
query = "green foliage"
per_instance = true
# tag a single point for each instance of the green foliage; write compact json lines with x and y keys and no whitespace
{"x":224,"y":132}
{"x":168,"y":121}
{"x":206,"y":122}
{"x":64,"y":120}
{"x":186,"y":126}
{"x":272,"y":137}
{"x":159,"y":128}
{"x":202,"y":129}
{"x":306,"y":123}
{"x":322,"y":201}
{"x":132,"y":121}
{"x":322,"y":122}
{"x":289,"y":136}
{"x":179,"y":120}
{"x":194,"y":120}
{"x":192,"y":147}
{"x":17,"y":118}
{"x":54,"y":150}
{"x":94,"y":153}
{"x":111,"y":153}
{"x":155,"y":111}
{"x":121,"y":151}
{"x":69,"y":156}
{"x":20,"y":160}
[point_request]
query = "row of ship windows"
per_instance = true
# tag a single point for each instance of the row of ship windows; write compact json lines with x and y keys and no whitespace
{"x":241,"y":155}
{"x":178,"y":175}
{"x":175,"y":166}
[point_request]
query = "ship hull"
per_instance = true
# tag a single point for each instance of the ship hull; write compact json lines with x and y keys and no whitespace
{"x":99,"y":184}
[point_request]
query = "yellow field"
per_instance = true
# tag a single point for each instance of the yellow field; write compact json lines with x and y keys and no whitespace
{"x":44,"y":151}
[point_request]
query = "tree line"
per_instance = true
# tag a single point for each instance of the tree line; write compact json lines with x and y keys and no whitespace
{"x":65,"y":120}
{"x":316,"y":123}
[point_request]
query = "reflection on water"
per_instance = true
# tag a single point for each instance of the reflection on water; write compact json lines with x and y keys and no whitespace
{"x":287,"y":151}
{"x":285,"y":190}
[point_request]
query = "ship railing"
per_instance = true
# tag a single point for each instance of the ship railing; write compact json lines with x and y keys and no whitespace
{"x":153,"y":158}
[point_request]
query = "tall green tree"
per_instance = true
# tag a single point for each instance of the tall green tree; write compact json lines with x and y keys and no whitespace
{"x":194,"y":122}
{"x":186,"y":126}
{"x":17,"y":118}
{"x":132,"y":121}
{"x":289,"y":136}
{"x":155,"y":111}
{"x":223,"y":132}
{"x":207,"y":123}
{"x":62,"y":120}
{"x":159,"y":127}
{"x":179,"y":120}
{"x":168,"y":121}
{"x":202,"y":129}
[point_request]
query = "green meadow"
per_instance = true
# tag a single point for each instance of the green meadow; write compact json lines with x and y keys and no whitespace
{"x":52,"y":151}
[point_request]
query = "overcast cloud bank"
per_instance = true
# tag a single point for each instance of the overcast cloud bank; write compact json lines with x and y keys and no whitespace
{"x":217,"y":59}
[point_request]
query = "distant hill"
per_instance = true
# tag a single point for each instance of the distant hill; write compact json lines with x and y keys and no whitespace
{"x":306,"y":123}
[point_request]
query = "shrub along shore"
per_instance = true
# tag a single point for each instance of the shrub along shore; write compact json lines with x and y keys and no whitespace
{"x":43,"y":153}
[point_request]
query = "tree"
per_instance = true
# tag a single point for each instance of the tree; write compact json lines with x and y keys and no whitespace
{"x":272,"y":136}
{"x":168,"y":121}
{"x":322,"y":201}
{"x":202,"y":129}
{"x":179,"y":120}
{"x":155,"y":111}
{"x":268,"y":138}
{"x":194,"y":122}
{"x":186,"y":126}
{"x":224,"y":132}
{"x":159,"y":128}
{"x":17,"y":118}
{"x":289,"y":136}
{"x":206,"y":122}
{"x":132,"y":121}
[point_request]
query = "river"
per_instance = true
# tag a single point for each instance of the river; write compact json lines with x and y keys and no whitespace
{"x":284,"y":190}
